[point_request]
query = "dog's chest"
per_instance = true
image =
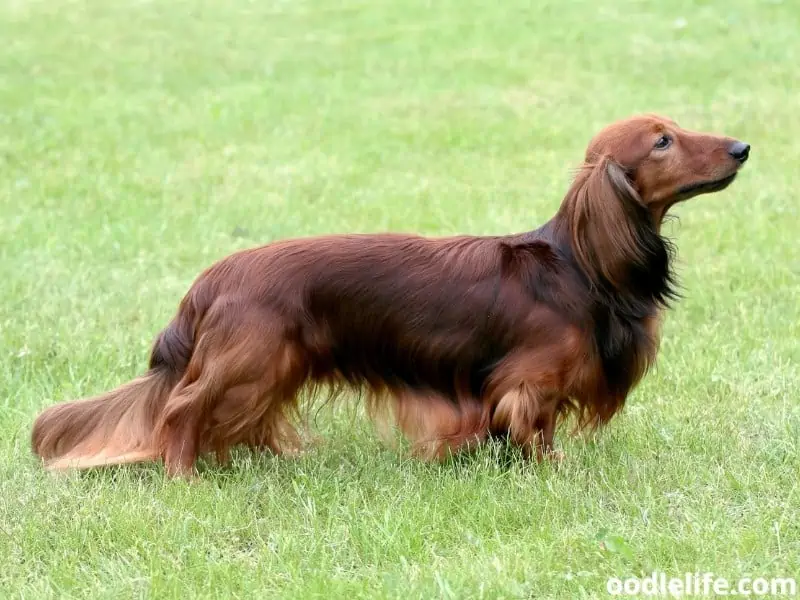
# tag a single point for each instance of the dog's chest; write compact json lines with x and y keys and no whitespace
{"x":626,"y":347}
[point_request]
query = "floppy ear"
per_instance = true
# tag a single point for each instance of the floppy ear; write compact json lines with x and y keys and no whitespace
{"x":612,"y":232}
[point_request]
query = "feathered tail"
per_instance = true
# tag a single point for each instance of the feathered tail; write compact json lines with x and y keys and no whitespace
{"x":119,"y":426}
{"x":114,"y":428}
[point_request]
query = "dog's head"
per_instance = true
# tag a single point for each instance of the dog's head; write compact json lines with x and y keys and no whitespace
{"x":665,"y":163}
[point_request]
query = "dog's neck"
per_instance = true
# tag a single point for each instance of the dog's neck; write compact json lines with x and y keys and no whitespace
{"x":645,"y":281}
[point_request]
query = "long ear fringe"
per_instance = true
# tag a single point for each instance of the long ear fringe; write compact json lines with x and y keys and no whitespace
{"x":612,"y":232}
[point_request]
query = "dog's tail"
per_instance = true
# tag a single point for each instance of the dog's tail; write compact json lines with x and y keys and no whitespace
{"x":113,"y":428}
{"x":119,"y":426}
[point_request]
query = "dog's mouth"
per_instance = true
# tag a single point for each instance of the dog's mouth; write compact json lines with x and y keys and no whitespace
{"x":706,"y":187}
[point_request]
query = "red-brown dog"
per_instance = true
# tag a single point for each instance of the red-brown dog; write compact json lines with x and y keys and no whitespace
{"x":463,"y":337}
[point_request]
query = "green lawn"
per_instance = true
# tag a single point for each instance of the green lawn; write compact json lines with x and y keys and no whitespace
{"x":141,"y":141}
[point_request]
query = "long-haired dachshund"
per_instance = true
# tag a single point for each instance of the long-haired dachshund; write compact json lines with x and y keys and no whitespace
{"x":458,"y":339}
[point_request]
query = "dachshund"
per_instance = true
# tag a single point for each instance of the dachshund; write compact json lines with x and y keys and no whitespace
{"x":452,"y":340}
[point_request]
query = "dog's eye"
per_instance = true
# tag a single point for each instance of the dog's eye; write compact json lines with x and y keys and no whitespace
{"x":663,"y":142}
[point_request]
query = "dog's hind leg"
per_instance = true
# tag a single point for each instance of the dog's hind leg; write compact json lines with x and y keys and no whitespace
{"x":178,"y":431}
{"x":242,"y":379}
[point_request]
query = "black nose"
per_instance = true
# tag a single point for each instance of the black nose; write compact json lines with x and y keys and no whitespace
{"x":740,"y":151}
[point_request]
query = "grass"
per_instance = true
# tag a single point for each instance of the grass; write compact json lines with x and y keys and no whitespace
{"x":139,"y":142}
